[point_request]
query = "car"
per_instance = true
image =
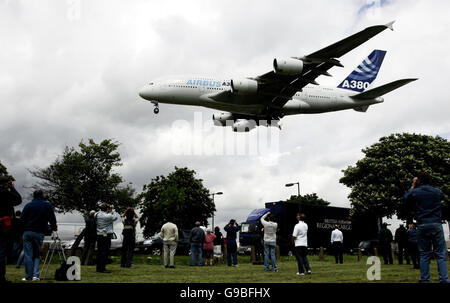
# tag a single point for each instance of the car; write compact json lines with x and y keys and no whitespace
{"x":154,"y":244}
{"x":368,"y":246}
{"x":116,"y":243}
{"x":244,"y":250}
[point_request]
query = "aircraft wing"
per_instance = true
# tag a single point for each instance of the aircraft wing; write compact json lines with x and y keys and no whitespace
{"x":277,"y":89}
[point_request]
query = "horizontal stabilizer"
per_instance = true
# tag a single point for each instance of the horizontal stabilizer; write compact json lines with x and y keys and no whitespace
{"x":382,"y":90}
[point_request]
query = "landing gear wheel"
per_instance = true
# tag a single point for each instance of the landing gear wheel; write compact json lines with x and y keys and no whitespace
{"x":156,"y":110}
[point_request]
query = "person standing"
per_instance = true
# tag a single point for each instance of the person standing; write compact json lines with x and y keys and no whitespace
{"x":36,"y":216}
{"x":385,"y":238}
{"x":218,"y":243}
{"x":9,"y":197}
{"x":270,"y":241}
{"x":208,"y":247}
{"x":105,"y":220}
{"x":232,"y":229}
{"x":169,"y":235}
{"x":337,"y":244}
{"x":401,"y":238}
{"x":90,"y":237}
{"x":412,"y":245}
{"x":300,"y":239}
{"x":427,"y":201}
{"x":129,"y":220}
{"x":196,"y":238}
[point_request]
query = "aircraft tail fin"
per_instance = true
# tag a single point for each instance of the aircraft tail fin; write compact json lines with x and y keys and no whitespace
{"x":365,"y":73}
{"x":382,"y":90}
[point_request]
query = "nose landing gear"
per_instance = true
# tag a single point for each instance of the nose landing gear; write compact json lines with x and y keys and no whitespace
{"x":156,"y":110}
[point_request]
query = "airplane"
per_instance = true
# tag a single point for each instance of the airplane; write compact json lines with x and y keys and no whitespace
{"x":289,"y":89}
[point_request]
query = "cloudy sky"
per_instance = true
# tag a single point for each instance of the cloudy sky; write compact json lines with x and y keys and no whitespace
{"x":71,"y":70}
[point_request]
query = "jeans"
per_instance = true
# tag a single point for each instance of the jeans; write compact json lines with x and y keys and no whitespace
{"x":32,"y":243}
{"x":127,"y":251}
{"x":301,"y":253}
{"x":169,"y":247}
{"x":270,"y":252}
{"x":432,"y":234}
{"x":103,"y":246}
{"x":196,"y":248}
{"x":231,"y":251}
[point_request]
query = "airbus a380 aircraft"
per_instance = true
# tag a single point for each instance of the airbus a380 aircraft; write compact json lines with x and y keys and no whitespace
{"x":289,"y":89}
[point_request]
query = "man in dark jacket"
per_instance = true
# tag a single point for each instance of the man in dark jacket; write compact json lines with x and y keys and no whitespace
{"x":427,"y":201}
{"x":9,"y":198}
{"x":90,"y":237}
{"x":36,"y":216}
{"x":232,"y":229}
{"x":196,"y":238}
{"x":412,"y":245}
{"x":401,"y":237}
{"x":385,"y":238}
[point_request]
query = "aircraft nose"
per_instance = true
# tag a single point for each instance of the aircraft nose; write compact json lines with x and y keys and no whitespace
{"x":147,"y":92}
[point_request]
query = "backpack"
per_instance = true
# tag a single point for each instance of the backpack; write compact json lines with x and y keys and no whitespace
{"x":61,"y":272}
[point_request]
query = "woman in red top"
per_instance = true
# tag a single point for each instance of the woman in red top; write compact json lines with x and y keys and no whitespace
{"x":208,"y":247}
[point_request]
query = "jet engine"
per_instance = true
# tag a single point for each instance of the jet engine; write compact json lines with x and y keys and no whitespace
{"x":244,"y":86}
{"x":288,"y":66}
{"x":243,"y":125}
{"x":221,"y":119}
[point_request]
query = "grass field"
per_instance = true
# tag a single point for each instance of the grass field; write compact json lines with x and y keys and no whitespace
{"x":148,"y":269}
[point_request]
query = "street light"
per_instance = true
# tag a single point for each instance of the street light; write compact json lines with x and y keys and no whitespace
{"x":213,"y":194}
{"x":298,"y":186}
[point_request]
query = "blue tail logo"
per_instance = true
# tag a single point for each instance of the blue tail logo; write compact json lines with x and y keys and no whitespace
{"x":363,"y":75}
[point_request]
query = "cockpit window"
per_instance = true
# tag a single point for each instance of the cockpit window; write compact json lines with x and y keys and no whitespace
{"x":151,"y":83}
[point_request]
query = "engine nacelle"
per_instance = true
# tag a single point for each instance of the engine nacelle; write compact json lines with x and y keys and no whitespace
{"x":243,"y":125}
{"x":244,"y":86}
{"x":221,"y":119}
{"x":288,"y":66}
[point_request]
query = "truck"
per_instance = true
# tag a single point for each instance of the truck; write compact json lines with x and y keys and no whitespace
{"x":320,"y":219}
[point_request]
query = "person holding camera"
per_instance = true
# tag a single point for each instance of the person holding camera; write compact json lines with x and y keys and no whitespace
{"x":232,"y":229}
{"x":129,"y":220}
{"x":428,"y":214}
{"x":105,"y":220}
{"x":36,"y":216}
{"x":9,"y":197}
{"x":270,"y":241}
{"x":90,"y":238}
{"x":196,"y":239}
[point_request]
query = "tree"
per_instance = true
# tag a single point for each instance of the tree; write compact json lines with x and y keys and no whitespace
{"x":4,"y":172}
{"x":309,"y":199}
{"x":379,"y":180}
{"x":79,"y":179}
{"x":178,"y":197}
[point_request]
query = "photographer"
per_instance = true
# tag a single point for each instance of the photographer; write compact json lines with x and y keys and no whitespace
{"x":9,"y":198}
{"x":36,"y":216}
{"x":270,"y":241}
{"x":232,"y":229}
{"x":105,"y":219}
{"x":427,"y":201}
{"x":129,"y":220}
{"x":196,"y":238}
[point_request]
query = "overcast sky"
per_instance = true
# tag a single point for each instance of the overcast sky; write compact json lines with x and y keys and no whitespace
{"x":71,"y":70}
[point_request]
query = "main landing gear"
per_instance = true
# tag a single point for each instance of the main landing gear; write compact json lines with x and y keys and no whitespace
{"x":156,"y":110}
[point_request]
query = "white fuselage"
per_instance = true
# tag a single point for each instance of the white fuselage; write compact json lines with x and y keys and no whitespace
{"x":203,"y":91}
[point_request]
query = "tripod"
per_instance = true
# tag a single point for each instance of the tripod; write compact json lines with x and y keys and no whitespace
{"x":55,"y":246}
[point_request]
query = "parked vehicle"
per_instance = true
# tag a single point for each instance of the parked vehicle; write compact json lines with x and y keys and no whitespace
{"x":116,"y":243}
{"x":154,"y":245}
{"x":368,"y":247}
{"x":320,"y":220}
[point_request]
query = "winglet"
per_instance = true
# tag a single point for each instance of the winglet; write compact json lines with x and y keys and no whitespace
{"x":390,"y":25}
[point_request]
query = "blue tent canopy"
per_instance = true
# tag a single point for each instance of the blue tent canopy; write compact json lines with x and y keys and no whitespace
{"x":256,"y":214}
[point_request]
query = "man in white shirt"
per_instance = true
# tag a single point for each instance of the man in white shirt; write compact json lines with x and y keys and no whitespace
{"x":300,"y":239}
{"x":270,"y":241}
{"x":169,"y":235}
{"x":337,"y":241}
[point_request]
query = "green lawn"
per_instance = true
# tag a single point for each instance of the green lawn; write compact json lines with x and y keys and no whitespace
{"x":147,"y":270}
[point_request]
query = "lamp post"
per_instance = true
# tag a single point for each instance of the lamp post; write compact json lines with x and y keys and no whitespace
{"x":213,"y":194}
{"x":298,"y":186}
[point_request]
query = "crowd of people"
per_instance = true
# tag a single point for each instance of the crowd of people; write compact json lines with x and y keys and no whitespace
{"x":23,"y":233}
